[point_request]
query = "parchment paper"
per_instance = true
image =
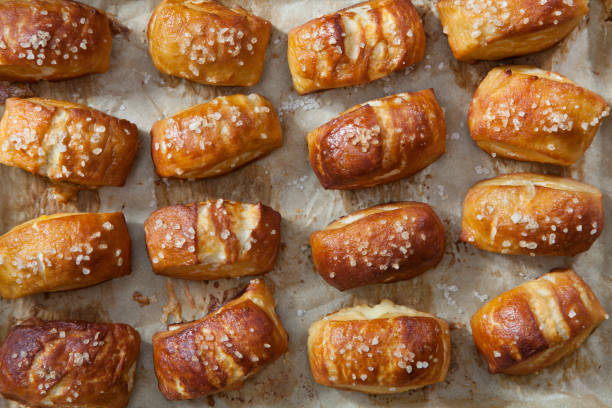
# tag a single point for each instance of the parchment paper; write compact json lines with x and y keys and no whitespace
{"x":466,"y":277}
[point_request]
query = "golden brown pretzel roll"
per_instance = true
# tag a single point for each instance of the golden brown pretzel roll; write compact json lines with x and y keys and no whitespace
{"x":215,"y":137}
{"x":526,"y":113}
{"x":52,"y":39}
{"x":533,"y":214}
{"x":220,"y":351}
{"x":69,"y":364}
{"x":63,"y":251}
{"x":355,"y":45}
{"x":479,"y":30}
{"x":206,"y":42}
{"x":67,"y":142}
{"x":382,"y":349}
{"x":378,"y":141}
{"x":385,"y":243}
{"x":537,"y":323}
{"x":213,"y":239}
{"x":608,"y":9}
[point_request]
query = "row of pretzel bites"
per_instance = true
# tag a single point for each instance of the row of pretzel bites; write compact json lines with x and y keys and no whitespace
{"x":518,"y":112}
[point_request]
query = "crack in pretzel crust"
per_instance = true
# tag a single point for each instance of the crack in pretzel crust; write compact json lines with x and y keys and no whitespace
{"x":220,"y":351}
{"x":206,"y":42}
{"x":213,"y":239}
{"x":69,"y":364}
{"x":62,"y":252}
{"x":537,"y":323}
{"x":52,"y":40}
{"x":383,"y":349}
{"x":355,"y":45}
{"x":532,"y":214}
{"x":381,"y":244}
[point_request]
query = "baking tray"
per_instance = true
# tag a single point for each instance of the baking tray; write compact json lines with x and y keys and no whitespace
{"x":456,"y":288}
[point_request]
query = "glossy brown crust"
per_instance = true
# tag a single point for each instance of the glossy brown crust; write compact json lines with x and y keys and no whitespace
{"x":69,"y":364}
{"x":385,"y":243}
{"x":220,"y":351}
{"x":608,"y":9}
{"x":62,"y":252}
{"x":216,"y":137}
{"x":479,"y":31}
{"x":537,"y":323}
{"x":533,"y":214}
{"x":383,"y":349}
{"x":52,"y":39}
{"x":525,"y":113}
{"x":67,"y":142}
{"x":355,"y":45}
{"x":379,"y":141}
{"x":206,"y":42}
{"x":213,"y":239}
